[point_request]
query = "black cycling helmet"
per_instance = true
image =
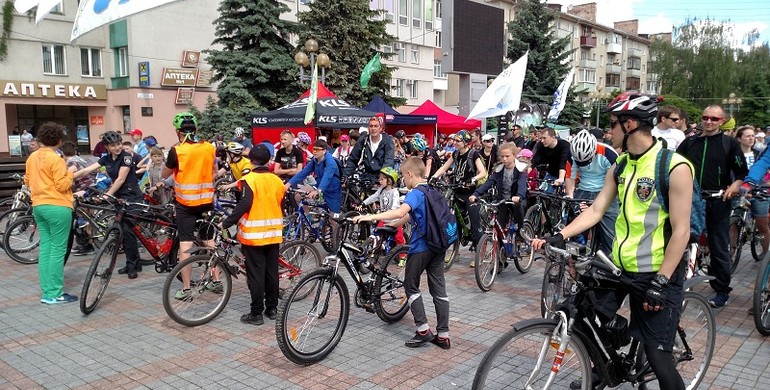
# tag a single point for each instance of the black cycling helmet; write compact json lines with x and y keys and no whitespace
{"x":111,"y":137}
{"x":633,"y":105}
{"x":400,"y":134}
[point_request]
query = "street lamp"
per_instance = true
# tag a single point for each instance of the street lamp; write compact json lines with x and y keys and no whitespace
{"x":597,"y":97}
{"x":303,"y":60}
{"x":733,"y":103}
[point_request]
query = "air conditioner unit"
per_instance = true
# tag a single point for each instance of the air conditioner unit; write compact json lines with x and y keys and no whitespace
{"x":606,"y":41}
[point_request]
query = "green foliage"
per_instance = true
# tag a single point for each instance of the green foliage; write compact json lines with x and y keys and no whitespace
{"x":8,"y":11}
{"x":350,"y":33}
{"x":755,"y":109}
{"x":548,"y":63}
{"x":255,"y":68}
{"x":693,"y":112}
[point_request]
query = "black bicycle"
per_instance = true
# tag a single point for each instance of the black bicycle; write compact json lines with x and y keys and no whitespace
{"x":560,"y":352}
{"x":313,"y":316}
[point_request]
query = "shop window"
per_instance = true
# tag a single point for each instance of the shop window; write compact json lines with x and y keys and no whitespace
{"x":91,"y":62}
{"x":53,"y":60}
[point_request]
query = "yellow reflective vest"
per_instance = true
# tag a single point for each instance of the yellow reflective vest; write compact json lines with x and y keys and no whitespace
{"x":194,"y":178}
{"x":263,"y":223}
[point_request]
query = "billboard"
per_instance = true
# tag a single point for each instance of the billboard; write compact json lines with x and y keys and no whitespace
{"x":473,"y":42}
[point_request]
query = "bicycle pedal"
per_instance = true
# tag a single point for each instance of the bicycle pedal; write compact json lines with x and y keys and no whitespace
{"x":368,"y":307}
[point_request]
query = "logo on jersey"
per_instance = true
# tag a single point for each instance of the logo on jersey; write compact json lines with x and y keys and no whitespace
{"x":644,"y":188}
{"x":127,"y":160}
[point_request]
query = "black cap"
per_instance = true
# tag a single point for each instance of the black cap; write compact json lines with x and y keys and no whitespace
{"x":259,"y":154}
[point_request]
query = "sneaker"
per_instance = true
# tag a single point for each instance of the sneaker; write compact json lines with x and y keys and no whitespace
{"x":419,"y":339}
{"x":183,"y":294}
{"x":442,"y":342}
{"x":64,"y":298}
{"x":215,"y":287}
{"x":271,"y":313}
{"x":83,"y":250}
{"x":719,"y":299}
{"x":252,"y":319}
{"x":124,"y":270}
{"x":132,"y":275}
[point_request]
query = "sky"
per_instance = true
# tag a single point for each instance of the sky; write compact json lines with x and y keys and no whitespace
{"x":657,"y":16}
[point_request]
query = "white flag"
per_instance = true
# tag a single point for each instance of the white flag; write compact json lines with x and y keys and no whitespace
{"x":560,"y":97}
{"x":96,"y":13}
{"x":44,"y":7}
{"x":505,"y":92}
{"x":22,"y":6}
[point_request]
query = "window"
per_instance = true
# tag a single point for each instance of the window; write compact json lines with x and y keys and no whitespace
{"x":121,"y":62}
{"x":613,"y":80}
{"x":634,"y":63}
{"x":587,"y":76}
{"x":632,"y":83}
{"x":401,"y":50}
{"x":389,"y":6}
{"x":53,"y":60}
{"x":412,"y":87}
{"x":59,"y":9}
{"x":387,"y":48}
{"x":399,"y":87}
{"x":417,"y":13}
{"x":437,"y":72}
{"x":91,"y":62}
{"x":612,"y":60}
{"x":438,"y":9}
{"x":403,"y":7}
{"x":415,"y":54}
{"x":652,"y":86}
{"x":586,"y":54}
{"x":438,"y":38}
{"x":305,"y":2}
{"x":429,"y":15}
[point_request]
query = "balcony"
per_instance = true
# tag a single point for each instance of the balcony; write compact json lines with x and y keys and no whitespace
{"x":588,"y":87}
{"x":634,"y":52}
{"x":634,"y":73}
{"x":587,"y":41}
{"x":652,"y":77}
{"x":613,"y":69}
{"x":614,"y":48}
{"x":586,"y":63}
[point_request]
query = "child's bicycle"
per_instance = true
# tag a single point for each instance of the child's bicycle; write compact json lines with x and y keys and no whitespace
{"x":498,"y":245}
{"x":212,"y":270}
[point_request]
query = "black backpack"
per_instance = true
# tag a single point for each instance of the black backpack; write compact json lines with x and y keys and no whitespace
{"x":441,"y":231}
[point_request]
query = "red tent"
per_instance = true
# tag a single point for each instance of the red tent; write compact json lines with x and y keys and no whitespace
{"x":447,"y":122}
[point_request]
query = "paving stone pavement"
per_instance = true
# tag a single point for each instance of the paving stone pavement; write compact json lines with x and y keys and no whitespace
{"x":129,"y":342}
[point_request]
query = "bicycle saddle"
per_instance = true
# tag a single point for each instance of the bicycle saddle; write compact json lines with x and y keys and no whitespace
{"x":386,"y":230}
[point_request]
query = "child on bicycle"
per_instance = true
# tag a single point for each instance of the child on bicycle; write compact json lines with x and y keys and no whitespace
{"x":389,"y":198}
{"x":420,"y":258}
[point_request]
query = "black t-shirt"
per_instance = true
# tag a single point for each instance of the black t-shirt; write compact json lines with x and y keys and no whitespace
{"x":130,"y":188}
{"x":289,"y":160}
{"x":489,"y":160}
{"x":430,"y":154}
{"x":556,"y":158}
{"x":465,"y":165}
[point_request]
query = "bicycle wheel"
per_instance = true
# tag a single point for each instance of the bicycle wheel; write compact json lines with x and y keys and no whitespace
{"x":205,"y":299}
{"x":762,"y":298}
{"x":525,"y":256}
{"x":697,"y":328}
{"x":554,"y":288}
{"x":326,"y":231}
{"x":735,"y":244}
{"x":451,"y":255}
{"x":10,"y":216}
{"x":290,"y":224}
{"x":307,"y":330}
{"x":100,"y":271}
{"x":391,"y":303}
{"x":21,"y":241}
{"x":486,"y":262}
{"x":757,"y":252}
{"x":523,"y":358}
{"x":301,"y":255}
{"x":533,"y":218}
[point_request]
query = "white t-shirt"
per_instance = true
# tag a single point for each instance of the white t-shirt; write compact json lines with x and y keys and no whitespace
{"x":673,"y":137}
{"x":374,"y":145}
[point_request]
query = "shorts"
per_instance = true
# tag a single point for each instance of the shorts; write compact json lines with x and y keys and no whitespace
{"x":185,"y":221}
{"x":760,"y":208}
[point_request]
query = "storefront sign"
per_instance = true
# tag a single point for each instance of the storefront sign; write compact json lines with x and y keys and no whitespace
{"x":204,"y":78}
{"x":144,"y":74}
{"x":97,"y":120}
{"x":144,"y":95}
{"x":27,"y":89}
{"x":184,"y":95}
{"x":173,"y":77}
{"x":191,"y":58}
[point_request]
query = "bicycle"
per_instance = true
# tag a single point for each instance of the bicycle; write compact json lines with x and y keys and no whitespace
{"x":155,"y":231}
{"x":497,"y":245}
{"x":312,"y":318}
{"x":761,"y":299}
{"x":697,"y":251}
{"x":551,"y":212}
{"x":354,"y":192}
{"x":299,"y":226}
{"x":743,"y":229}
{"x":463,"y":220}
{"x":575,"y":341}
{"x":207,"y":298}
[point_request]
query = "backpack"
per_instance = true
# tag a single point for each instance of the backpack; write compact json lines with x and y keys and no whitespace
{"x":663,"y":160}
{"x":441,"y":231}
{"x":339,"y":166}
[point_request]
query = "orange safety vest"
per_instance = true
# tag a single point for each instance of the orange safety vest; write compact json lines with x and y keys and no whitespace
{"x":263,"y":224}
{"x":194,"y":178}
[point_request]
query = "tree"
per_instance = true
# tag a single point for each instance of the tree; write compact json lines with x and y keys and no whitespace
{"x":548,"y":61}
{"x":255,"y":68}
{"x":692,"y":111}
{"x":8,"y":12}
{"x":350,"y":33}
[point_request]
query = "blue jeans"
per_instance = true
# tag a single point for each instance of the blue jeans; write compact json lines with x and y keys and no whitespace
{"x":606,"y":230}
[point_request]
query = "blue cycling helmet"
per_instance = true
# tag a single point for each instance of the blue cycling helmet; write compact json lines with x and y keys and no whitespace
{"x":419,"y":144}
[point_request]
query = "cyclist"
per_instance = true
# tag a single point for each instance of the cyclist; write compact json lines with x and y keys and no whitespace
{"x":428,"y":156}
{"x":389,"y":199}
{"x":343,"y":151}
{"x":488,"y":152}
{"x":239,"y":136}
{"x":650,"y":242}
{"x":554,"y":153}
{"x":238,"y":164}
{"x":372,"y":152}
{"x":591,"y":162}
{"x":328,"y":176}
{"x":290,"y":160}
{"x":404,"y":142}
{"x":303,"y":142}
{"x":121,"y":169}
{"x":193,"y":165}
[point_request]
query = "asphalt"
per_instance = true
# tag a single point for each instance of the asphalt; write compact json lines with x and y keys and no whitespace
{"x":129,"y":342}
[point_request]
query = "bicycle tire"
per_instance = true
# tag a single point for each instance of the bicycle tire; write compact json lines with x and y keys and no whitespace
{"x":301,"y":255}
{"x":201,"y":291}
{"x":553,"y":288}
{"x":110,"y":248}
{"x":697,"y":320}
{"x":735,"y":244}
{"x":523,"y":263}
{"x":761,"y":301}
{"x":299,"y":319}
{"x":487,"y":261}
{"x":21,"y":241}
{"x":533,"y":216}
{"x":392,"y":303}
{"x":451,"y":255}
{"x":757,"y":252}
{"x":327,"y":235}
{"x":509,"y":363}
{"x":10,"y":216}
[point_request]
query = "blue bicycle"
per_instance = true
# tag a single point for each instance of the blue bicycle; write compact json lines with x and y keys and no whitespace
{"x":312,"y":225}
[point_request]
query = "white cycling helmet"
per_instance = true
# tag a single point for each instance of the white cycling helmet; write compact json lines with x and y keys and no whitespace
{"x":583,"y":147}
{"x":238,"y":132}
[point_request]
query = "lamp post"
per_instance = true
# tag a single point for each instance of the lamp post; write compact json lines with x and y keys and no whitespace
{"x":598,"y":96}
{"x":303,"y":60}
{"x":733,"y":103}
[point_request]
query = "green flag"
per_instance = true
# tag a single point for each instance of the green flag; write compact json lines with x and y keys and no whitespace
{"x":313,"y":98}
{"x":371,"y":67}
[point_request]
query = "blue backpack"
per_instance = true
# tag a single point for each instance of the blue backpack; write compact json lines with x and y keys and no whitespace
{"x":662,"y":162}
{"x":441,"y":230}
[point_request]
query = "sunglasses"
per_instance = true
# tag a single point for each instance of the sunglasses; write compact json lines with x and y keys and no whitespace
{"x":318,"y":149}
{"x":613,"y":123}
{"x":488,"y":140}
{"x":711,"y":118}
{"x":673,"y":119}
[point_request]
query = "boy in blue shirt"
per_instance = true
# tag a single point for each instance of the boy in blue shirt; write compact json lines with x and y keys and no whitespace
{"x":420,"y":259}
